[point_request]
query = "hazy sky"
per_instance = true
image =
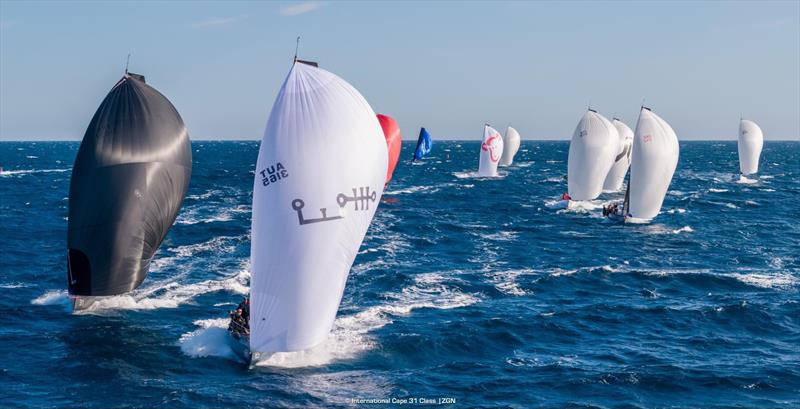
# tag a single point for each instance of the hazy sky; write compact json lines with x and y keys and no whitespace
{"x":447,"y":66}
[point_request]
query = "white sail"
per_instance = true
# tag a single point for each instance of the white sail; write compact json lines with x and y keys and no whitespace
{"x":751,"y":140}
{"x":320,"y":176}
{"x":622,"y":161}
{"x":655,"y":157}
{"x":592,"y":150}
{"x":510,"y":146}
{"x":491,"y":152}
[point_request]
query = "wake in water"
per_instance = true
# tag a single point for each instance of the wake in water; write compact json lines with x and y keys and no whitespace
{"x":744,"y":180}
{"x":350,"y":335}
{"x":169,"y":293}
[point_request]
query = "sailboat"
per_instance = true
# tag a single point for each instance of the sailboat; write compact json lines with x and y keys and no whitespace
{"x":129,"y":179}
{"x":655,"y":157}
{"x":622,"y":161}
{"x":510,"y":146}
{"x":491,"y":152}
{"x":424,"y":144}
{"x":751,"y":140}
{"x":394,"y":142}
{"x":592,"y":150}
{"x":320,"y":175}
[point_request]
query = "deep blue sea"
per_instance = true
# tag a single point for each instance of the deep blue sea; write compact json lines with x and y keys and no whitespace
{"x":464,"y":288}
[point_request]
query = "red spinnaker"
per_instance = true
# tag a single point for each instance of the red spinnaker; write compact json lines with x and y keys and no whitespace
{"x":393,"y":142}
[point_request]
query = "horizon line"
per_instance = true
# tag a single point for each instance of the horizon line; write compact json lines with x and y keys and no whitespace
{"x":404,"y":140}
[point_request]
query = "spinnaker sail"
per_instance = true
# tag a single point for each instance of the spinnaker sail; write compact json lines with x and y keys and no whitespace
{"x":424,"y":144}
{"x":592,"y":150}
{"x":394,"y":142}
{"x":510,"y":146}
{"x":319,"y":179}
{"x":622,"y":161}
{"x":655,"y":157}
{"x":491,"y":152}
{"x":751,"y":140}
{"x":129,"y":179}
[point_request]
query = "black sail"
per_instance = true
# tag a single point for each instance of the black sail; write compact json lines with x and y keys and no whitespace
{"x":128,"y":182}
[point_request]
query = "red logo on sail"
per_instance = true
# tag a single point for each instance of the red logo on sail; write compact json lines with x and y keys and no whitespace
{"x":491,"y":146}
{"x":647,"y":138}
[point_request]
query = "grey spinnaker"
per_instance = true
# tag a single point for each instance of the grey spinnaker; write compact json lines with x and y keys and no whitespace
{"x":130,"y":176}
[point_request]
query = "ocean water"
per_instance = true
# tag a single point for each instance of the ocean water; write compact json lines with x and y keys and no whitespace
{"x":465,"y":288}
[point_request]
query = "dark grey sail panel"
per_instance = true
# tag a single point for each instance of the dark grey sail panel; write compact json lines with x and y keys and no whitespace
{"x":130,"y":176}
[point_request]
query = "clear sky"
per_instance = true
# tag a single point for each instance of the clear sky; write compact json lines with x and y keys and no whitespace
{"x":448,"y":66}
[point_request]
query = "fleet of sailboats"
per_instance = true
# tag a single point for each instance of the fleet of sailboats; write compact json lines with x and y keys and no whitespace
{"x":323,"y":163}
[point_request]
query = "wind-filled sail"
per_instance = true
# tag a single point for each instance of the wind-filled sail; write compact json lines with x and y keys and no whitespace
{"x":751,"y":140}
{"x":319,"y":178}
{"x":510,"y":146}
{"x":128,"y":182}
{"x":592,"y":150}
{"x":424,"y":144}
{"x":622,"y":161}
{"x":394,"y":142}
{"x":655,"y":157}
{"x":491,"y":152}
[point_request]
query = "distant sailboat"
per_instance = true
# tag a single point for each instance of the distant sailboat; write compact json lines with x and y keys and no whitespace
{"x":130,"y":176}
{"x":491,"y":152}
{"x":622,"y":161}
{"x":394,"y":142}
{"x":510,"y":146}
{"x":320,"y":175}
{"x":751,"y":140}
{"x":592,"y":150}
{"x":424,"y":144}
{"x":655,"y":157}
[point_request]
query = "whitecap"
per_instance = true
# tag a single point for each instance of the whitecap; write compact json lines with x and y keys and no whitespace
{"x":52,"y":297}
{"x":506,"y":281}
{"x":31,"y":171}
{"x":782,"y":281}
{"x":14,"y":285}
{"x":474,"y":175}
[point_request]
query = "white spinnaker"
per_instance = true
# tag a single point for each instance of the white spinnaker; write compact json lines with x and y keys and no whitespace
{"x":320,"y":176}
{"x":622,"y":161}
{"x":592,"y":150}
{"x":655,"y":157}
{"x":510,"y":146}
{"x":491,"y":152}
{"x":751,"y":140}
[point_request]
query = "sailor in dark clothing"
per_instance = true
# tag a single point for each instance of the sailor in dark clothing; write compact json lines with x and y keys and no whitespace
{"x":240,"y":319}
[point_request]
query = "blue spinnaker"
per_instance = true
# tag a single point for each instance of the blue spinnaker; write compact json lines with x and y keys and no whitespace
{"x":424,"y":144}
